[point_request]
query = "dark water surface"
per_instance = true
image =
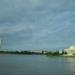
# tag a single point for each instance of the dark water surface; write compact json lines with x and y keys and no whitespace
{"x":36,"y":65}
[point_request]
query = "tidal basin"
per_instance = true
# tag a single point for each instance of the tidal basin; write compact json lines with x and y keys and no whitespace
{"x":36,"y":65}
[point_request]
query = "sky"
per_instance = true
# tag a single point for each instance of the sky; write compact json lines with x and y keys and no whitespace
{"x":37,"y":24}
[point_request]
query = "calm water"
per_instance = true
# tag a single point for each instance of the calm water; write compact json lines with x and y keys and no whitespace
{"x":36,"y":65}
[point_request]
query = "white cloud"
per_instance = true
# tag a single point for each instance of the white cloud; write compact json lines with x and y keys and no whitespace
{"x":10,"y":8}
{"x":46,"y":20}
{"x":15,"y":28}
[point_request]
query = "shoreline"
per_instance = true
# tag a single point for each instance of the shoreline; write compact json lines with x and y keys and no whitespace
{"x":49,"y":54}
{"x":39,"y":54}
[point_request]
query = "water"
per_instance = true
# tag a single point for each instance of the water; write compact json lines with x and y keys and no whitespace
{"x":36,"y":65}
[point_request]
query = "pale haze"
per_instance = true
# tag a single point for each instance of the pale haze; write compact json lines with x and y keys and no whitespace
{"x":37,"y":24}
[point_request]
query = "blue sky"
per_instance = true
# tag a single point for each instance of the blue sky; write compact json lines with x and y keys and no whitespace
{"x":37,"y":24}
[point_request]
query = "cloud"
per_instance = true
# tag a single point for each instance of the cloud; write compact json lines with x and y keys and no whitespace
{"x":9,"y":8}
{"x":14,"y":28}
{"x":37,"y":23}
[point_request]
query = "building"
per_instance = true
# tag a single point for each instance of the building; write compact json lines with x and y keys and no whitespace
{"x":60,"y":51}
{"x":70,"y":51}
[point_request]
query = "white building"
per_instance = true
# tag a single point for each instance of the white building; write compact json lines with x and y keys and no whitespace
{"x":70,"y":51}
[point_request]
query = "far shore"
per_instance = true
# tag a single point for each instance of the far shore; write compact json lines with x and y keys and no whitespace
{"x":49,"y":54}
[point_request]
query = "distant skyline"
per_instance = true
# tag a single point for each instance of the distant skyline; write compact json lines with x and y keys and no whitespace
{"x":37,"y":24}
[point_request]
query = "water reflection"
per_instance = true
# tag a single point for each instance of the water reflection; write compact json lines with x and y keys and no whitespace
{"x":36,"y":65}
{"x":71,"y":63}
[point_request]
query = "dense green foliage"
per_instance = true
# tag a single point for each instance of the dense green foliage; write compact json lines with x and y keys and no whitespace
{"x":20,"y":52}
{"x":56,"y":53}
{"x":50,"y":53}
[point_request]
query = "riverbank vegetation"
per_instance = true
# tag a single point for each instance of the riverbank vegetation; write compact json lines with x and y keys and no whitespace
{"x":21,"y":52}
{"x":56,"y":53}
{"x":48,"y":53}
